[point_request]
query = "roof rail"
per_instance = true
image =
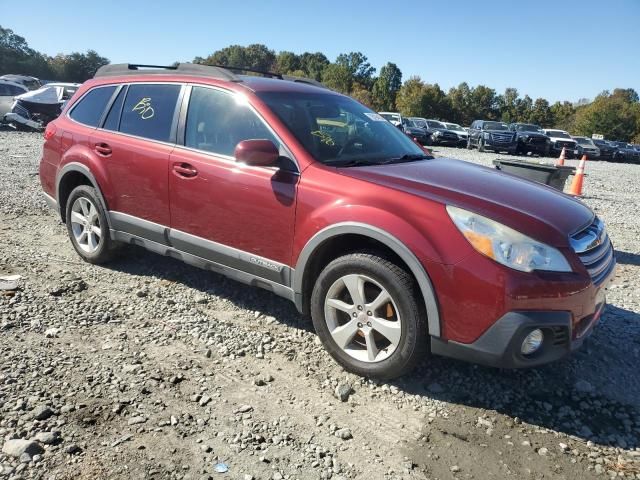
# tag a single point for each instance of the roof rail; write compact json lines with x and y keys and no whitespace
{"x":186,"y":68}
{"x":215,"y":71}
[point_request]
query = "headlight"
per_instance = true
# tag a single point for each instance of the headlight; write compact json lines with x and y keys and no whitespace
{"x":437,"y":133}
{"x":486,"y":135}
{"x":505,"y":245}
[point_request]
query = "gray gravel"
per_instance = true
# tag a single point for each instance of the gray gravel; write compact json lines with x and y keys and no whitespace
{"x":148,"y":368}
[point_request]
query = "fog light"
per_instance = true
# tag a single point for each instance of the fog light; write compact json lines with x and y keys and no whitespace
{"x":532,"y":342}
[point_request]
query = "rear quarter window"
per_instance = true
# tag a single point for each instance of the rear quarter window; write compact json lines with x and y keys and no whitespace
{"x":148,"y":111}
{"x":90,"y":108}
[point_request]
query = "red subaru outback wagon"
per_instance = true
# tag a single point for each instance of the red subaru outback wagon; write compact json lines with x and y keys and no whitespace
{"x":283,"y":184}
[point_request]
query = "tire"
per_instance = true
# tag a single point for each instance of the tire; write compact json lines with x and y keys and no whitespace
{"x":469,"y":146}
{"x":480,"y":145}
{"x":351,"y":334}
{"x":85,"y":217}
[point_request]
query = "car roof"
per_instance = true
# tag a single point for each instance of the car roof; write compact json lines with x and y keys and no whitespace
{"x":15,"y":84}
{"x":209,"y":74}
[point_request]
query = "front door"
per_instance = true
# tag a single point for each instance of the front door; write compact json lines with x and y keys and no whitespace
{"x":233,"y":214}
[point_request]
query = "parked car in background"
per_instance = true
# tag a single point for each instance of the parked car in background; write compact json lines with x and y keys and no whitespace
{"x":437,"y":132}
{"x":531,"y":139}
{"x":394,"y":117}
{"x":491,"y":135}
{"x":32,"y":83}
{"x":413,"y":130}
{"x":463,"y":133}
{"x":560,"y":139}
{"x":607,"y":150}
{"x":33,"y":110}
{"x":390,"y":251}
{"x":585,"y":146}
{"x":626,"y":153}
{"x":8,"y":91}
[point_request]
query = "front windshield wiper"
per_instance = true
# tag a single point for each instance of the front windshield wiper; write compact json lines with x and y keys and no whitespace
{"x":355,"y":162}
{"x":407,"y":157}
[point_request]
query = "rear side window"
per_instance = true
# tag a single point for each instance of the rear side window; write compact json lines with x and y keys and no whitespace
{"x":90,"y":108}
{"x":217,"y":122}
{"x":148,"y":111}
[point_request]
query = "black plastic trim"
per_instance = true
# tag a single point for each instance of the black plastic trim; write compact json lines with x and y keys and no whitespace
{"x":500,"y":345}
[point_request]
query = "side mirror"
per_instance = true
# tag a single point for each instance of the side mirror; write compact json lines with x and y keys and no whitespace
{"x":257,"y":153}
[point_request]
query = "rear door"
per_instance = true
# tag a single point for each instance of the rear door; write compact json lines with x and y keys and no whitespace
{"x":221,"y":210}
{"x":134,"y":144}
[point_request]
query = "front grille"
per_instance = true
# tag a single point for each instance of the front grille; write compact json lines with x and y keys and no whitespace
{"x":560,"y":336}
{"x":449,"y":136}
{"x":561,"y":143}
{"x":502,"y":137}
{"x":595,"y":250}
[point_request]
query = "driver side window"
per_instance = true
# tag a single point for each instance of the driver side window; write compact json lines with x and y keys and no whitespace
{"x":217,"y":121}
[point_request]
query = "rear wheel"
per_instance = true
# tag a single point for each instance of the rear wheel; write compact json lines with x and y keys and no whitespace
{"x":366,"y":313}
{"x":87,"y":226}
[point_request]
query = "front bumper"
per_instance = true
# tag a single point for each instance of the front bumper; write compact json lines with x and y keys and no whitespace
{"x":499,"y":346}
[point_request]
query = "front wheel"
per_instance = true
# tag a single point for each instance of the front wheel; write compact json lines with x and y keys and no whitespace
{"x":481,"y":145}
{"x":469,"y":146}
{"x":87,"y":226}
{"x":366,"y":311}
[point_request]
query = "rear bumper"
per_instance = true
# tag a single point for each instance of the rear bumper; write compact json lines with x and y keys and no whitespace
{"x":499,"y":346}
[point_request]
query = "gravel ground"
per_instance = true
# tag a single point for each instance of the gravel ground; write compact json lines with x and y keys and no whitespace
{"x":148,"y":368}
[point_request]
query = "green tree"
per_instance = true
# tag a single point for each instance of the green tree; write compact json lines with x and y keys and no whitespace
{"x":525,"y":106}
{"x":358,"y":66}
{"x":541,"y":113}
{"x":287,"y":62}
{"x":362,"y":94}
{"x":615,"y":116}
{"x":76,"y":67}
{"x":386,"y":86}
{"x":255,"y":56}
{"x":435,"y":103}
{"x":483,"y":103}
{"x":508,"y":104}
{"x":313,"y":64}
{"x":410,"y":99}
{"x":17,"y":57}
{"x":563,"y":115}
{"x":459,"y":99}
{"x":338,"y":78}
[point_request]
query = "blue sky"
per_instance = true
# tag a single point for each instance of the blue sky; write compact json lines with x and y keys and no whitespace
{"x":562,"y":49}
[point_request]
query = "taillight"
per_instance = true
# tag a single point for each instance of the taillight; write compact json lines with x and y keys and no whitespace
{"x":50,"y":131}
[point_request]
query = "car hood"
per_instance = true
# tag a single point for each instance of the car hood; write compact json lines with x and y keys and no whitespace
{"x":536,"y":210}
{"x":532,"y":133}
{"x":562,"y":139}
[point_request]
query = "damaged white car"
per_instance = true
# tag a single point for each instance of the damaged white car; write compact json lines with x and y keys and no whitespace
{"x":34,"y":110}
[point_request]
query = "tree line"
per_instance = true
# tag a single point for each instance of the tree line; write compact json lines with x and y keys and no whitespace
{"x":616,"y":114}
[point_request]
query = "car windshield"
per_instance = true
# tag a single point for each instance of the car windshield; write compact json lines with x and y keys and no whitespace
{"x":435,"y":124}
{"x":528,"y":128}
{"x":495,"y":126}
{"x":392,"y":117}
{"x":558,"y":134}
{"x":337,"y":130}
{"x":454,"y":126}
{"x":412,"y":123}
{"x":419,"y":122}
{"x":583,"y":141}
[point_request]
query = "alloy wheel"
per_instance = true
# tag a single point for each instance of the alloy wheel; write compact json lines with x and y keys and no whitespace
{"x":362,"y":318}
{"x":85,"y":225}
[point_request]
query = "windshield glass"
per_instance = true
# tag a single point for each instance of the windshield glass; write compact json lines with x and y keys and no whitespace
{"x":583,"y":141}
{"x":435,"y":124}
{"x":528,"y":128}
{"x":454,"y":126}
{"x":419,"y":122}
{"x":339,"y":131}
{"x":495,"y":126}
{"x":392,"y":117}
{"x":558,"y":134}
{"x":412,"y":123}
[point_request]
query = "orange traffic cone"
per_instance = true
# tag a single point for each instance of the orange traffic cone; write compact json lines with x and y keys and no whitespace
{"x":561,"y":158}
{"x":578,"y":179}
